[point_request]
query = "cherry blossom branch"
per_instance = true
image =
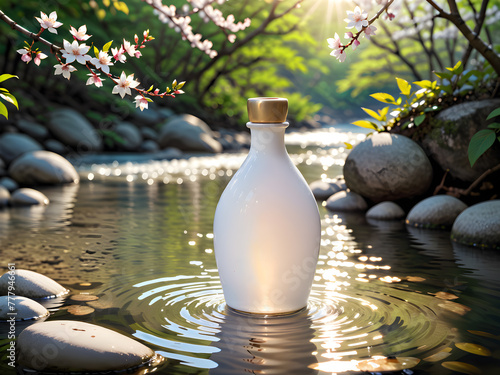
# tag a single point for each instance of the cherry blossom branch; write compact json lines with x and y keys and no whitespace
{"x":29,"y":34}
{"x":75,"y":51}
{"x":370,"y":21}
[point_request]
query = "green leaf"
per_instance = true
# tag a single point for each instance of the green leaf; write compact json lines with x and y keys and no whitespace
{"x":383,"y":113}
{"x":96,"y":52}
{"x":384,"y":98}
{"x":121,"y":6}
{"x":457,"y":69}
{"x":365,"y":124}
{"x":348,"y":145}
{"x":4,"y":111}
{"x":181,"y":85}
{"x":373,"y":114}
{"x":494,"y":113}
{"x":425,"y":84}
{"x":444,"y":75}
{"x":495,"y":125}
{"x":404,"y":86}
{"x":9,"y":98}
{"x":480,"y":143}
{"x":419,"y":119}
{"x":405,"y":125}
{"x":5,"y":77}
{"x":107,"y":46}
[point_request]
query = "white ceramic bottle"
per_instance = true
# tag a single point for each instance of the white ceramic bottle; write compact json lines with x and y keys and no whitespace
{"x":267,"y":227}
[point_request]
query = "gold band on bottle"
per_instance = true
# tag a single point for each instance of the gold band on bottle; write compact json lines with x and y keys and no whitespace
{"x":267,"y":110}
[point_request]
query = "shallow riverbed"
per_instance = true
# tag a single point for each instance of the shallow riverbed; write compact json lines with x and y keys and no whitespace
{"x":139,"y":237}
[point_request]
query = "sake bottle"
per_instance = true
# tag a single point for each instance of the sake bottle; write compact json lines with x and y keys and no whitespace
{"x":267,"y":227}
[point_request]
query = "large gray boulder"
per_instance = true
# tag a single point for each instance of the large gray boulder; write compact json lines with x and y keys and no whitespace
{"x":13,"y":145}
{"x":188,"y":133}
{"x":78,"y":347}
{"x":42,"y":167}
{"x":33,"y":129}
{"x":448,"y":141}
{"x":131,"y":136}
{"x":387,"y":167}
{"x":31,"y":284}
{"x":479,"y":225}
{"x":437,"y":212}
{"x":74,"y":130}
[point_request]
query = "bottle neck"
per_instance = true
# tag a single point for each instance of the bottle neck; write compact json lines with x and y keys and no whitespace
{"x":268,"y":138}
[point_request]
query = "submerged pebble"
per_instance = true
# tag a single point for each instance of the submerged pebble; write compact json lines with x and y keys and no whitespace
{"x":78,"y":347}
{"x":346,"y":201}
{"x":385,"y":211}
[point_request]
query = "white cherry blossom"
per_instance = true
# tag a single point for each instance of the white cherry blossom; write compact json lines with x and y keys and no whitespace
{"x":74,"y":51}
{"x":94,"y":79}
{"x":81,"y":33}
{"x":369,"y":31}
{"x":141,"y":102}
{"x":49,"y":22}
{"x":119,"y":54}
{"x":103,"y":61}
{"x":124,"y":84}
{"x":357,"y":19}
{"x":64,"y":69}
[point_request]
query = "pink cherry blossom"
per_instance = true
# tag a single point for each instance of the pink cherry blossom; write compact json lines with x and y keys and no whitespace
{"x":64,"y":69}
{"x":124,"y":84}
{"x":129,"y":48}
{"x":26,"y":55}
{"x":103,"y":61}
{"x":39,"y":56}
{"x":355,"y":44}
{"x":356,"y":19}
{"x":231,"y":38}
{"x":335,"y":44}
{"x":80,"y":34}
{"x":369,"y":31}
{"x":141,"y":102}
{"x":94,"y":79}
{"x":341,"y":57}
{"x":348,"y":35}
{"x":74,"y":51}
{"x":49,"y":22}
{"x":119,"y":54}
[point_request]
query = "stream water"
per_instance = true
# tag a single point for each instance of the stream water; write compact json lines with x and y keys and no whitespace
{"x":137,"y":238}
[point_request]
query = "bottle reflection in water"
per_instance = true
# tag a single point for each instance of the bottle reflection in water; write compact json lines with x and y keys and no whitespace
{"x":259,"y":344}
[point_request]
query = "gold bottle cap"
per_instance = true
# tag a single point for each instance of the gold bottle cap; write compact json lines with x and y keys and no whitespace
{"x":267,"y":110}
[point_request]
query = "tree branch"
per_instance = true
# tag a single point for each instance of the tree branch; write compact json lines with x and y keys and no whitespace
{"x":54,"y":48}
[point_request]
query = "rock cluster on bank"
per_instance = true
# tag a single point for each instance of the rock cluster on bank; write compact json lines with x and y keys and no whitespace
{"x":74,"y":346}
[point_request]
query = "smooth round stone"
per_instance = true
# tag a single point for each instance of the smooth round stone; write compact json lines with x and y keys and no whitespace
{"x":149,"y":146}
{"x":437,"y":212}
{"x":28,"y":197}
{"x":131,"y":136}
{"x":148,"y":133}
{"x":32,"y":285}
{"x":188,"y":133}
{"x":321,"y":189}
{"x":385,"y":211}
{"x":55,"y":146}
{"x":43,"y":167}
{"x":479,"y":225}
{"x":13,"y":145}
{"x":23,"y":308}
{"x":346,"y":201}
{"x":9,"y":184}
{"x":4,"y":196}
{"x":37,"y":131}
{"x":387,"y":167}
{"x":72,"y":346}
{"x":74,"y":130}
